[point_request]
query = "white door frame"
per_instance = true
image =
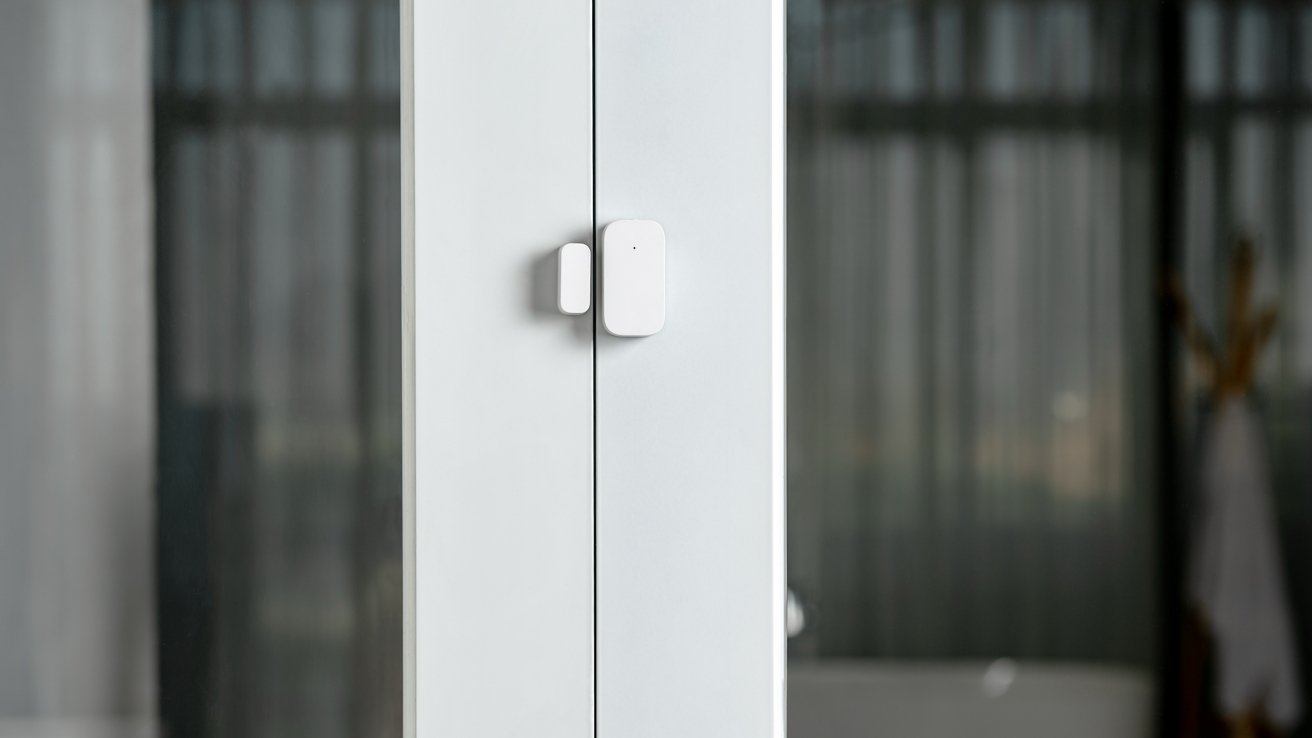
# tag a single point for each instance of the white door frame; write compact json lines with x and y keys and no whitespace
{"x":685,"y":109}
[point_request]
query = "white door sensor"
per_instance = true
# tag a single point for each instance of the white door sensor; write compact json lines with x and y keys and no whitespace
{"x":574,"y":278}
{"x":633,"y":277}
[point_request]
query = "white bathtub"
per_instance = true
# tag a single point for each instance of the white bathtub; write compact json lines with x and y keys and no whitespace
{"x":874,"y":699}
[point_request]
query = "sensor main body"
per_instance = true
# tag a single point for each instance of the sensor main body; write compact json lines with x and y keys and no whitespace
{"x":633,"y":278}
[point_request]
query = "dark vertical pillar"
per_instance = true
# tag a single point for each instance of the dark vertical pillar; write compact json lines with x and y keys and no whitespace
{"x":182,"y":587}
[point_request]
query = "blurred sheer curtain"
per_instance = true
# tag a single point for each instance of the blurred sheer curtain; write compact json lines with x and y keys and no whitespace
{"x":77,"y":641}
{"x":1248,"y":169}
{"x":970,"y":225}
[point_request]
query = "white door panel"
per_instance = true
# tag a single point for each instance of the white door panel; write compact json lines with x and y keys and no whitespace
{"x":503,"y":382}
{"x":689,"y":420}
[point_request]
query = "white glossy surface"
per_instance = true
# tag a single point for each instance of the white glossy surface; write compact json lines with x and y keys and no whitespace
{"x":503,"y":386}
{"x":633,"y":277}
{"x":689,"y":421}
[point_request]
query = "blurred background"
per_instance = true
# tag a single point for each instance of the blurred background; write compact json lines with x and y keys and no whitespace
{"x":200,"y":409}
{"x":973,"y":364}
{"x":993,"y":425}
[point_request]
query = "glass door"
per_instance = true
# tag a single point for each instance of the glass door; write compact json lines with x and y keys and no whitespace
{"x":973,"y":445}
{"x":275,"y":142}
{"x":1003,"y":455}
{"x":201,"y":517}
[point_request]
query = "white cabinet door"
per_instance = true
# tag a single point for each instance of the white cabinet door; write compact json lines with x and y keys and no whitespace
{"x":502,"y":382}
{"x":689,"y":105}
